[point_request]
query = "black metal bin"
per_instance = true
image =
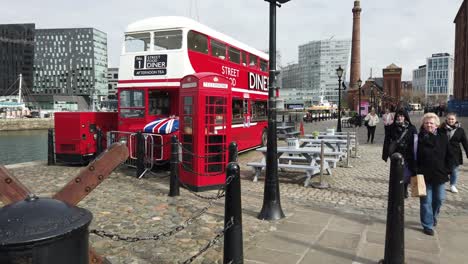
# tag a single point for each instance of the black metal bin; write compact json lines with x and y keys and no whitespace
{"x":43,"y":231}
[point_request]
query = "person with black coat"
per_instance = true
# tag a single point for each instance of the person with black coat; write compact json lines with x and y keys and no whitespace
{"x":434,"y":161}
{"x":455,"y":135}
{"x":400,"y":138}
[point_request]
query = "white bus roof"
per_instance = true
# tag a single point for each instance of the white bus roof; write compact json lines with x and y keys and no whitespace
{"x":171,"y":22}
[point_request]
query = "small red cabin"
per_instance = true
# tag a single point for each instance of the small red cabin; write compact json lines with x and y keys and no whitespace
{"x":76,"y":133}
{"x":205,"y":129}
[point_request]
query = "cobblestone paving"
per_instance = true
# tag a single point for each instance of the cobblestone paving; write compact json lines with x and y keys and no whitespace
{"x":128,"y":206}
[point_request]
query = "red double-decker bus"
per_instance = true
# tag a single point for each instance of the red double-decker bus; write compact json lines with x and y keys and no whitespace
{"x":158,"y":52}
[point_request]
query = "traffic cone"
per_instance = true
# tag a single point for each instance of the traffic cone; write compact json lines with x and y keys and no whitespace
{"x":301,"y":129}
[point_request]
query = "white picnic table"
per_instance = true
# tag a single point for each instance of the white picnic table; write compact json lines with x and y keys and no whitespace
{"x":334,"y":144}
{"x":307,"y":157}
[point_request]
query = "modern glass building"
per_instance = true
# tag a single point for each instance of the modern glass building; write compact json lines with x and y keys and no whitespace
{"x":16,"y":56}
{"x":315,"y":73}
{"x":419,"y":79}
{"x":71,"y":61}
{"x":439,"y":78}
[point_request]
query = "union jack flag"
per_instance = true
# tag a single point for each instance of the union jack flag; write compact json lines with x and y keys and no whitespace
{"x":162,"y":126}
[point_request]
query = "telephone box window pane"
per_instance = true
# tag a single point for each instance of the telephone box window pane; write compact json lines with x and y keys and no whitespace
{"x":187,"y":110}
{"x":188,"y":100}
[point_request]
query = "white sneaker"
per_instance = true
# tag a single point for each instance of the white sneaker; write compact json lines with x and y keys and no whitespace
{"x":453,"y":189}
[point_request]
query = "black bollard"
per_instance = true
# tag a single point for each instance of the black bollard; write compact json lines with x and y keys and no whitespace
{"x":174,"y":183}
{"x":140,"y":154}
{"x":395,"y":233}
{"x":233,"y":154}
{"x":98,"y":142}
{"x":233,"y":244}
{"x":50,"y":147}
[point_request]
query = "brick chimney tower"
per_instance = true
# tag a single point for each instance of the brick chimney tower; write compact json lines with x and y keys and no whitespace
{"x":355,"y":73}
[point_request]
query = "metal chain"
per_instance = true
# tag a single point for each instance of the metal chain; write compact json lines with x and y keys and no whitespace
{"x":221,"y":190}
{"x":158,"y":236}
{"x":200,"y":174}
{"x":212,"y":242}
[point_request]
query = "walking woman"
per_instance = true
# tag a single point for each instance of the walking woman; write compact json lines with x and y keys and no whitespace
{"x":434,"y":161}
{"x":400,"y":138}
{"x":455,"y":135}
{"x":371,"y":121}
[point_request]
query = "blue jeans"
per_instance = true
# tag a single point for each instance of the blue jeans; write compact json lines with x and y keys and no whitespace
{"x":430,"y":204}
{"x":454,"y":175}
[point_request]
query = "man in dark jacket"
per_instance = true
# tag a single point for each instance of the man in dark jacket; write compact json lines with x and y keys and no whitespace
{"x":400,"y":138}
{"x":434,"y":161}
{"x":455,"y":135}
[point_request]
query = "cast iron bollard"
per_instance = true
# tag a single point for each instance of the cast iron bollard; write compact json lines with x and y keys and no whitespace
{"x":44,"y":231}
{"x":140,"y":154}
{"x":395,"y":233}
{"x":50,"y":147}
{"x":174,"y":183}
{"x":233,"y":244}
{"x":233,"y":154}
{"x":98,"y":142}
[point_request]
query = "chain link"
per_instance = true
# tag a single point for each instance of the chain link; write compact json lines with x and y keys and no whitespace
{"x":158,"y":236}
{"x":212,"y":242}
{"x":220,"y":194}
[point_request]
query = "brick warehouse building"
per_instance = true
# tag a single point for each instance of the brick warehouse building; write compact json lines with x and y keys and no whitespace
{"x":460,"y":88}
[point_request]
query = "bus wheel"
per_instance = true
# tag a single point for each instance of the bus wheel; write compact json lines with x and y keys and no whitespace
{"x":264,"y":138}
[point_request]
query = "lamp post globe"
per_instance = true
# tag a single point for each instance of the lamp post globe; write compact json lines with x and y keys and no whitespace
{"x":339,"y":73}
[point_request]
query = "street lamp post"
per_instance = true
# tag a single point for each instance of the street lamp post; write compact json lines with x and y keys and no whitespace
{"x":271,"y":208}
{"x":359,"y":83}
{"x":339,"y":73}
{"x":372,"y":99}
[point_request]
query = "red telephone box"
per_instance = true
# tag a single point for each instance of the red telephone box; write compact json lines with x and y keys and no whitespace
{"x":205,"y":130}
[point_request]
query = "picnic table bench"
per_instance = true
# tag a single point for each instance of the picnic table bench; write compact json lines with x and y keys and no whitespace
{"x":307,"y":157}
{"x":284,"y":132}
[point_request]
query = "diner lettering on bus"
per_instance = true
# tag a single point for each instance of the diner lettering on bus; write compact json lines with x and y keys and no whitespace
{"x":258,"y":82}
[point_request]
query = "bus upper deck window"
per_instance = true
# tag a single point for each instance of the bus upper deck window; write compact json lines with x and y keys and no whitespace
{"x":197,"y":42}
{"x":244,"y":59}
{"x":264,"y":65}
{"x":234,"y":55}
{"x":252,"y":60}
{"x":137,"y":42}
{"x":167,"y":40}
{"x":218,"y":49}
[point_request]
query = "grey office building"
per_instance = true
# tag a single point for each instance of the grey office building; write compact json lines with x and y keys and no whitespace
{"x":315,"y":73}
{"x":16,"y":56}
{"x":439,"y":78}
{"x":71,"y":61}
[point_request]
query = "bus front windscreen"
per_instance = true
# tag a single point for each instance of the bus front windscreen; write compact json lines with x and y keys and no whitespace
{"x":132,"y":104}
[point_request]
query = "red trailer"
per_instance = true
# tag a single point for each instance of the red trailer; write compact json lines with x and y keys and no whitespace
{"x":205,"y":130}
{"x":76,"y":133}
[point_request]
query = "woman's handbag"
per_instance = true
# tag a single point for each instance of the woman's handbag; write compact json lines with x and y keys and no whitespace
{"x":366,"y":122}
{"x":418,"y":186}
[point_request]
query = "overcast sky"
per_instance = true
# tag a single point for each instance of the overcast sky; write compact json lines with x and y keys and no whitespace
{"x":404,"y":32}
